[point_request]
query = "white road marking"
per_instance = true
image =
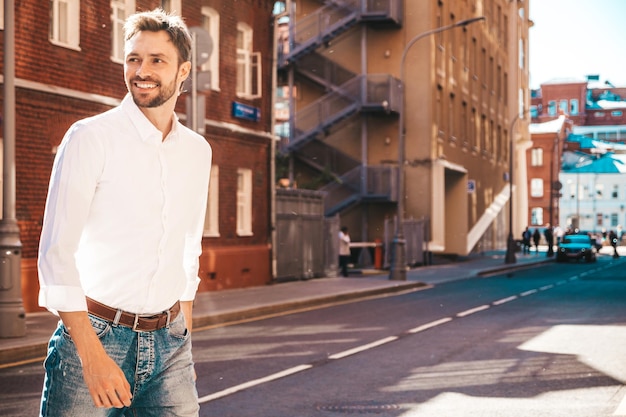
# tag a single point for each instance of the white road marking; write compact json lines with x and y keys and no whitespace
{"x":429,"y":325}
{"x":362,"y":348}
{"x":621,"y":410}
{"x":505,"y":300}
{"x":253,"y":383}
{"x":473,"y":310}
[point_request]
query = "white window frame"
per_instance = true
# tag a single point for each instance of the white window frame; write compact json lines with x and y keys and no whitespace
{"x":120,"y":10}
{"x":574,"y":107}
{"x":244,"y":202}
{"x":536,"y":187}
{"x":248,"y":64}
{"x":65,"y":23}
{"x":536,"y":216}
{"x":211,"y":219}
{"x":563,"y":106}
{"x":536,"y":157}
{"x":173,"y":7}
{"x":211,"y":23}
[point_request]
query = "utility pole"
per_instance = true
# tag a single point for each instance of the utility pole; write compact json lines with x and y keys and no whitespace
{"x":397,"y":270}
{"x":12,"y":317}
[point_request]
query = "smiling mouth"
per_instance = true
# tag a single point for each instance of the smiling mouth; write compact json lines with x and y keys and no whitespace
{"x":145,"y":85}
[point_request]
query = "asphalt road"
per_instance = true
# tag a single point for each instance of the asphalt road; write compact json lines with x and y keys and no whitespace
{"x":548,"y":341}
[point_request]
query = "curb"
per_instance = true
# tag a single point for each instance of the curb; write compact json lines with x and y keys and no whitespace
{"x":511,"y":267}
{"x":293,"y":306}
{"x":36,"y":351}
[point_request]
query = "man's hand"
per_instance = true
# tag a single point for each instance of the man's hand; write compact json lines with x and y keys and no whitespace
{"x":105,"y":380}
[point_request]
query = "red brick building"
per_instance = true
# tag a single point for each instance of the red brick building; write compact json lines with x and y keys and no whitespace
{"x":69,"y":66}
{"x":585,"y":107}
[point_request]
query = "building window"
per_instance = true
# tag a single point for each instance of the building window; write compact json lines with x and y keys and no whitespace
{"x":536,"y":157}
{"x":536,"y":216}
{"x":552,"y":108}
{"x":244,"y":202}
{"x":599,"y":190}
{"x":536,"y":187}
{"x":573,"y":107}
{"x":65,"y":23}
{"x":248,"y":64}
{"x":599,"y":218}
{"x":120,"y":10}
{"x":614,"y":219}
{"x":616,"y":113}
{"x":563,"y":106}
{"x":211,"y":219}
{"x":211,"y":23}
{"x":172,"y":6}
{"x":615,"y":193}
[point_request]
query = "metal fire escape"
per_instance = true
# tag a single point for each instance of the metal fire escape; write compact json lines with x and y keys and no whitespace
{"x":347,"y":95}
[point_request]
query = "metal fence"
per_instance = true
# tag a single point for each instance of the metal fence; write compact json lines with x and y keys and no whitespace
{"x":300,"y":235}
{"x":416,"y":237}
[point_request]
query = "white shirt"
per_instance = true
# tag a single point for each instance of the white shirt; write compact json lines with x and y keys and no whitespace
{"x":344,"y":244}
{"x":124,"y":216}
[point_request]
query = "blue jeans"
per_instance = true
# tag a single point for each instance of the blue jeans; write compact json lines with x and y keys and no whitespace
{"x":158,"y":366}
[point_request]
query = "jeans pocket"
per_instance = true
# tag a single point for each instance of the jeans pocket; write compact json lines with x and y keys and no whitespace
{"x":178,"y":328}
{"x":100,"y":327}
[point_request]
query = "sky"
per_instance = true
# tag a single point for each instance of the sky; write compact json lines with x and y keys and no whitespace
{"x":575,"y":38}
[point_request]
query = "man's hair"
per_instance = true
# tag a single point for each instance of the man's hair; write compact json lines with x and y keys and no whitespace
{"x":157,"y":20}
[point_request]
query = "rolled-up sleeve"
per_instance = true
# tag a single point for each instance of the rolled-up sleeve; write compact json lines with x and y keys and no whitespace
{"x":73,"y":182}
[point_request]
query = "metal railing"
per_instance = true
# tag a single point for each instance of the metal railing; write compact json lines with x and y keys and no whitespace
{"x":381,"y":185}
{"x":373,"y":91}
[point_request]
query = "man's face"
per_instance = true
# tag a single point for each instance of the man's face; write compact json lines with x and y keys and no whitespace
{"x":151,"y":69}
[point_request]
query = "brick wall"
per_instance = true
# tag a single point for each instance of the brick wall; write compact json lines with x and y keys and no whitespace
{"x":55,"y":88}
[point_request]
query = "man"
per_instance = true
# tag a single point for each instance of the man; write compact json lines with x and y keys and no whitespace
{"x":121,"y":238}
{"x":344,"y":250}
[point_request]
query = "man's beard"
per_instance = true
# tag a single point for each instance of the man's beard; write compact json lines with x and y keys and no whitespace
{"x":165,"y":93}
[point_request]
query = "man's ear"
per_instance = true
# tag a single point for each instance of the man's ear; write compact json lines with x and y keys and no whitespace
{"x":183,"y":73}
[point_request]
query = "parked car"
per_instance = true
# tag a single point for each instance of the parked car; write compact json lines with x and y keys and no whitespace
{"x":576,"y":247}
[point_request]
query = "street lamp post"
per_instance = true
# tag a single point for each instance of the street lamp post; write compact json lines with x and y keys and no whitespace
{"x":509,"y":258}
{"x":397,"y":270}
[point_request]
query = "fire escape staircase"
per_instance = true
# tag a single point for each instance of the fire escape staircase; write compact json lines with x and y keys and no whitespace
{"x":347,"y":94}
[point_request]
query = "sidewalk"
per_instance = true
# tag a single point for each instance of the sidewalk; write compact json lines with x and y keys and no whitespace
{"x":212,"y":308}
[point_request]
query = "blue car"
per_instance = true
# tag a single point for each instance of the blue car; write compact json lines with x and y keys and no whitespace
{"x":576,"y":247}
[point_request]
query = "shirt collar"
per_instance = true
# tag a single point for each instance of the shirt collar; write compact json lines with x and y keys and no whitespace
{"x":145,"y":129}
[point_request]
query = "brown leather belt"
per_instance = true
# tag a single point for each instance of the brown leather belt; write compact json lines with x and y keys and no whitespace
{"x":137,"y":322}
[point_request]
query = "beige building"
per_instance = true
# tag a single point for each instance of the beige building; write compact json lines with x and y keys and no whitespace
{"x":462,"y":92}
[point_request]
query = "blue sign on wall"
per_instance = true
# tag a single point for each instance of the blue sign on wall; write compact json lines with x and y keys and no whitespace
{"x":243,"y":111}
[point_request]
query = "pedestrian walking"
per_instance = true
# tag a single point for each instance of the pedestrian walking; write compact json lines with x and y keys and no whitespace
{"x":344,"y":250}
{"x":613,"y":242}
{"x":536,"y":239}
{"x":526,"y":235}
{"x":121,"y":240}
{"x":549,"y":235}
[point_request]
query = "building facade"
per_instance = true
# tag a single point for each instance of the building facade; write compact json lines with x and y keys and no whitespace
{"x":576,"y":117}
{"x":462,"y":96}
{"x":69,"y":66}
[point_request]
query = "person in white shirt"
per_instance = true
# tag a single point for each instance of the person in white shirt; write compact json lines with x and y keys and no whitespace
{"x":344,"y":250}
{"x":121,"y":240}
